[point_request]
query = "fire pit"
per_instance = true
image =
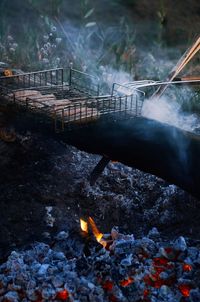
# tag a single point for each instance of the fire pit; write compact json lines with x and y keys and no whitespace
{"x":115,"y":267}
{"x":85,"y":264}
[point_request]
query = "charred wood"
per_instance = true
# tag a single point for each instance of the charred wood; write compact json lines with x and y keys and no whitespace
{"x":98,"y":169}
{"x":160,"y":149}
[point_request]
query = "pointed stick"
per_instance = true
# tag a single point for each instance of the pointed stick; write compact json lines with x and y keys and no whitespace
{"x":184,"y":60}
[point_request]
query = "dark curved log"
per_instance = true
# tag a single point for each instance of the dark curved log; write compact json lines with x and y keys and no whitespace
{"x":151,"y":146}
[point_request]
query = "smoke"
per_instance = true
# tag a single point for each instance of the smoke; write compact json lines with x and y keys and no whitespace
{"x":169,"y":111}
{"x":94,"y":49}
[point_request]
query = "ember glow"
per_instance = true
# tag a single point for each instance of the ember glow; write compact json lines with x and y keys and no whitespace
{"x":108,"y":285}
{"x":62,"y":295}
{"x":187,"y":267}
{"x":84,"y":225}
{"x":126,"y":282}
{"x":185,"y":290}
{"x":146,"y":293}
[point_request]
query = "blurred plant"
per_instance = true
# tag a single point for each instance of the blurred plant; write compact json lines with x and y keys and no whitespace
{"x":8,"y":49}
{"x":162,"y":21}
{"x":49,"y":46}
{"x":162,"y":13}
{"x":89,"y":45}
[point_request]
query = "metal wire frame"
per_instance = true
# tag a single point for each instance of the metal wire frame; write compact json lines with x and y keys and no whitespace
{"x":126,"y":89}
{"x":53,"y":77}
{"x":84,"y":82}
{"x":79,"y":91}
{"x":50,"y":78}
{"x":91,"y":109}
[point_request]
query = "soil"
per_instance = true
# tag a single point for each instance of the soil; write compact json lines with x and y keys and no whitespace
{"x":39,"y":172}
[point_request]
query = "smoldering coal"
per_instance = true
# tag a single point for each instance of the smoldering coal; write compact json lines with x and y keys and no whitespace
{"x":146,"y":269}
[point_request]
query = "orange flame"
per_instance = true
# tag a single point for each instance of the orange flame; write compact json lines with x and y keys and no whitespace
{"x":84,"y":225}
{"x":98,"y":235}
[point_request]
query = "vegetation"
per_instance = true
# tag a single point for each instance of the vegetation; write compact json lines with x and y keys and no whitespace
{"x":35,"y":35}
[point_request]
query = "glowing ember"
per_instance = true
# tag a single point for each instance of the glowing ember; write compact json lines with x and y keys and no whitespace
{"x":84,"y":225}
{"x":39,"y":296}
{"x":185,"y":290}
{"x":126,"y":282}
{"x":146,"y":293}
{"x":98,"y":235}
{"x":160,"y":261}
{"x":62,"y":295}
{"x":108,"y":285}
{"x":168,"y":250}
{"x":187,"y":267}
{"x":112,"y":298}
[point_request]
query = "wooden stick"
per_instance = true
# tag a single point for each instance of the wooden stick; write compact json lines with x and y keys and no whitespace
{"x":184,"y":60}
{"x":188,"y":58}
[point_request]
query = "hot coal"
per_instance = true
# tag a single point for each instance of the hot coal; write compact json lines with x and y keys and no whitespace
{"x":147,"y":269}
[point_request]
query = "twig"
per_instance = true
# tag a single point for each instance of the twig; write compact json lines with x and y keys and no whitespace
{"x":184,"y":60}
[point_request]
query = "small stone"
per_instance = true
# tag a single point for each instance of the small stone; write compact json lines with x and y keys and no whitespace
{"x":46,"y":235}
{"x":62,"y":236}
{"x":198,"y":259}
{"x":153,"y":233}
{"x":123,"y":246}
{"x":164,"y":275}
{"x":193,"y":253}
{"x":167,"y":252}
{"x":59,"y":256}
{"x":32,"y":295}
{"x":14,"y":287}
{"x":194,"y":295}
{"x":11,"y":296}
{"x":14,"y":255}
{"x":57,"y":281}
{"x":48,"y":293}
{"x":91,"y":285}
{"x":164,"y":290}
{"x":43,"y":269}
{"x":147,"y":245}
{"x":2,"y":291}
{"x":127,"y":261}
{"x":180,"y":244}
{"x":115,"y":233}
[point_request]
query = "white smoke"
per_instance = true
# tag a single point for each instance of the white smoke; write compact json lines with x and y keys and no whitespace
{"x":168,"y":111}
